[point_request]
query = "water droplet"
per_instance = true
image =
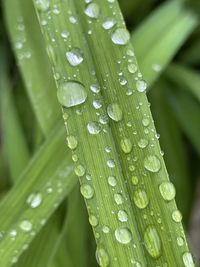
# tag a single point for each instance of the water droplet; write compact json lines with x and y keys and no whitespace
{"x":118,"y":198}
{"x":180,"y":241}
{"x":167,"y":191}
{"x":93,"y":220}
{"x":152,"y":163}
{"x":108,"y":23}
{"x":111,"y":163}
{"x":79,"y":170}
{"x":71,"y":94}
{"x":42,"y":5}
{"x":188,"y":260}
{"x":123,"y":235}
{"x":105,"y":229}
{"x":26,"y":226}
{"x":126,"y":145}
{"x":114,"y":112}
{"x":102,"y":257}
{"x":134,"y":180}
{"x":93,"y":127}
{"x":156,"y":67}
{"x":95,"y":88}
{"x":132,"y":68}
{"x":141,"y":86}
{"x":92,"y":10}
{"x":103,"y":119}
{"x":141,"y":199}
{"x":122,"y":216}
{"x":120,"y":36}
{"x":112,"y":181}
{"x":145,"y":122}
{"x":87,"y":191}
{"x":72,"y":142}
{"x":142,"y":143}
{"x":74,"y":56}
{"x":152,"y":242}
{"x":97,"y":104}
{"x":177,"y":216}
{"x":34,"y":200}
{"x":64,"y":34}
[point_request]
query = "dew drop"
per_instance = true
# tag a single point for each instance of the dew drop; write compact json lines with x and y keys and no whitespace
{"x":111,"y":163}
{"x":42,"y":5}
{"x":102,"y":257}
{"x":118,"y":198}
{"x":152,"y":242}
{"x":122,"y":216}
{"x":134,"y":180}
{"x":177,"y":216}
{"x":123,"y":235}
{"x":141,"y":199}
{"x":152,"y":163}
{"x":87,"y":191}
{"x":105,"y":229}
{"x":97,"y":104}
{"x":34,"y":200}
{"x":142,"y":143}
{"x":112,"y":181}
{"x":26,"y":226}
{"x":120,"y":36}
{"x":64,"y":34}
{"x":188,"y":260}
{"x":167,"y":191}
{"x":74,"y":56}
{"x":71,"y":94}
{"x":132,"y":68}
{"x":79,"y":170}
{"x":141,"y":86}
{"x":114,"y":112}
{"x":95,"y":88}
{"x":92,"y":10}
{"x":72,"y":142}
{"x":126,"y":145}
{"x":180,"y":241}
{"x":93,"y":127}
{"x":108,"y":23}
{"x":93,"y":220}
{"x":145,"y":122}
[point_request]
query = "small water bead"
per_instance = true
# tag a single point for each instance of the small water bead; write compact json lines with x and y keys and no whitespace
{"x":115,"y":112}
{"x":145,"y":122}
{"x":122,"y":216}
{"x":132,"y":68}
{"x":103,"y":119}
{"x":97,"y":104}
{"x":177,"y":216}
{"x":126,"y":145}
{"x":131,"y":168}
{"x":134,"y":180}
{"x":13,"y":233}
{"x":95,"y":88}
{"x":73,"y":19}
{"x":112,"y":181}
{"x":102,"y":257}
{"x":123,"y":235}
{"x":167,"y":191}
{"x":93,"y":220}
{"x":118,"y":198}
{"x":71,"y":94}
{"x":180,"y":241}
{"x":152,"y":242}
{"x":92,"y":10}
{"x":42,"y":5}
{"x":94,"y":127}
{"x":141,"y":86}
{"x":26,"y":226}
{"x":74,"y":56}
{"x":74,"y":158}
{"x":120,"y":36}
{"x":123,"y":81}
{"x":105,"y":229}
{"x":34,"y":200}
{"x":111,"y":163}
{"x":141,"y":199}
{"x":188,"y":260}
{"x":79,"y":170}
{"x":142,"y":143}
{"x":72,"y":142}
{"x":109,"y":23}
{"x":64,"y":34}
{"x":108,"y":149}
{"x":130,"y":53}
{"x":152,"y":163}
{"x":87,"y":191}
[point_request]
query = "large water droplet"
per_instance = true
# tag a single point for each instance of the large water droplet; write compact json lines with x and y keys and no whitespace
{"x":167,"y":191}
{"x":141,"y":199}
{"x":152,"y":163}
{"x":123,"y":235}
{"x":122,"y":216}
{"x":74,"y":56}
{"x":34,"y":200}
{"x":102,"y":257}
{"x":114,"y":112}
{"x":26,"y":226}
{"x":72,"y":142}
{"x":71,"y":94}
{"x":93,"y":127}
{"x":126,"y":145}
{"x":87,"y":191}
{"x":152,"y":242}
{"x":92,"y":10}
{"x":141,"y":86}
{"x":108,"y":23}
{"x":188,"y":260}
{"x":120,"y":36}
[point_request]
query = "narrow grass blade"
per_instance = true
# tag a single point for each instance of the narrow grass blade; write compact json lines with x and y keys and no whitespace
{"x":91,"y":56}
{"x":155,"y":53}
{"x":22,"y":220}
